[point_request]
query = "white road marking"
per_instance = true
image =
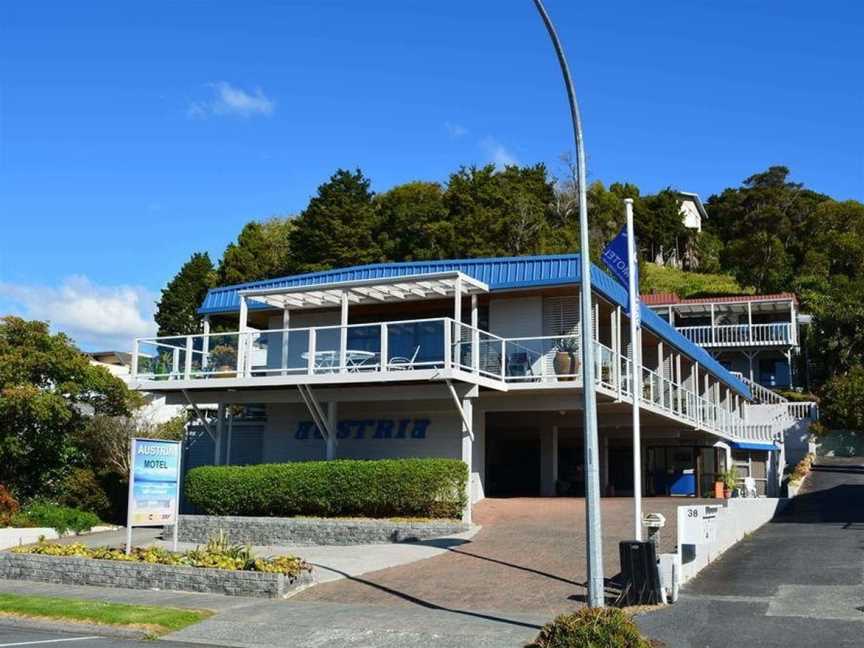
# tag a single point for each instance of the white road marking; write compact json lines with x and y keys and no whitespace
{"x":47,"y":641}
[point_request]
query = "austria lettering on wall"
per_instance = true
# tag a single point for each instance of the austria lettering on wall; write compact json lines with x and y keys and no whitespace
{"x":368,"y":429}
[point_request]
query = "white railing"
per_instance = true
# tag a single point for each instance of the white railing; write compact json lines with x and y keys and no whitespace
{"x":739,"y":334}
{"x":356,"y":348}
{"x":411,"y":345}
{"x":760,"y":394}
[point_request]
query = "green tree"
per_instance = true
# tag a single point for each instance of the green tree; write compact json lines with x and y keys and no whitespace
{"x":47,"y":390}
{"x":413,"y":223}
{"x":262,"y":251}
{"x":763,"y":226}
{"x":843,"y":400}
{"x":496,"y":213}
{"x":338,"y":226}
{"x":176,"y":312}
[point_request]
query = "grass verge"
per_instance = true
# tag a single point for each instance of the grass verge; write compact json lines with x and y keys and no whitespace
{"x":151,"y":619}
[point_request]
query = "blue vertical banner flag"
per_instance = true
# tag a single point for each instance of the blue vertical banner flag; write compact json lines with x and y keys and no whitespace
{"x":616,"y":259}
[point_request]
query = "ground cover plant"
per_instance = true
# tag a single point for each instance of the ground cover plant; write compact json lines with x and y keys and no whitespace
{"x":216,"y":554}
{"x":593,"y":628}
{"x":154,"y":620}
{"x":344,"y":488}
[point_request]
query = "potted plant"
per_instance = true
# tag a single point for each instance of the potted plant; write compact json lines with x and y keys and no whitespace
{"x":730,"y":480}
{"x":566,"y":361}
{"x":223,"y":360}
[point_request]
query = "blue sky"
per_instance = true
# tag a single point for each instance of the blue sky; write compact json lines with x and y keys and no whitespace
{"x":133,"y":135}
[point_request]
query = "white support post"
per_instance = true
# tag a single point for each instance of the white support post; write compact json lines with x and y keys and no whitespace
{"x":661,"y":371}
{"x":310,"y":353}
{"x":793,"y":337}
{"x":457,"y":315}
{"x":475,"y":335}
{"x":713,"y":336}
{"x":343,"y":334}
{"x":467,"y":452}
{"x":679,"y":382}
{"x":750,"y":322}
{"x":241,"y":337}
{"x":448,"y":345}
{"x":187,"y":365}
{"x":385,"y":348}
{"x":286,"y":324}
{"x":205,"y":343}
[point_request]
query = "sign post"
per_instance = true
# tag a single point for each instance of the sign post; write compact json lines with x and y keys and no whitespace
{"x":154,"y":486}
{"x":620,"y":257}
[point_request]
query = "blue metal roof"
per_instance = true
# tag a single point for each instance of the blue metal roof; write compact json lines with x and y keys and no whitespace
{"x":499,"y":273}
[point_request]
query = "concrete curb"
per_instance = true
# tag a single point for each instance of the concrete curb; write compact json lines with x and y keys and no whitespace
{"x":69,"y":626}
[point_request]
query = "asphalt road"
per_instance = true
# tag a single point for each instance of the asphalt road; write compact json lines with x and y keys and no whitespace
{"x":796,"y":582}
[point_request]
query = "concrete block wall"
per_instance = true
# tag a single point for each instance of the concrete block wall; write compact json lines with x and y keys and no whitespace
{"x":139,"y":575}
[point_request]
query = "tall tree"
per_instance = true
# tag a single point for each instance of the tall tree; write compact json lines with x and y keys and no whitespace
{"x":500,"y":212}
{"x":762,"y":226}
{"x":46,"y":388}
{"x":413,"y":223}
{"x":262,"y":251}
{"x":177,"y":310}
{"x":337,"y":228}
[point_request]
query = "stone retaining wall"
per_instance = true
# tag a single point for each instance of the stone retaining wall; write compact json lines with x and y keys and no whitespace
{"x":313,"y":531}
{"x":139,"y":575}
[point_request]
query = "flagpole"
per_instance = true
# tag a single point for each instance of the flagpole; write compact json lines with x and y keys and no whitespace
{"x":593,"y":527}
{"x":635,"y":367}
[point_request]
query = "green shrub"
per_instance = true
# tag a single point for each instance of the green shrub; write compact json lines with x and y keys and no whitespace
{"x":346,"y":488}
{"x":592,"y":628}
{"x":60,"y":518}
{"x":842,"y":400}
{"x":81,"y":489}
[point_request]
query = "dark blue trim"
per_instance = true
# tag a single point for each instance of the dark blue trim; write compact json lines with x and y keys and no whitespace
{"x":499,"y":273}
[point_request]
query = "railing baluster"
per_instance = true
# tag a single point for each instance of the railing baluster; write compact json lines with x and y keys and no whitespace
{"x":187,"y":369}
{"x":310,"y":354}
{"x":384,"y":345}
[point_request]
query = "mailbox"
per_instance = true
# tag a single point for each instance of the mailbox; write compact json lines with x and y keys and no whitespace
{"x":653,"y":522}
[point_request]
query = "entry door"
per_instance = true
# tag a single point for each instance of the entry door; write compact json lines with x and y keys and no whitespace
{"x":683,"y":467}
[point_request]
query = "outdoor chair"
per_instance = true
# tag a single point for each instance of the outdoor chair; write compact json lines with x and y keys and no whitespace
{"x":402,"y":363}
{"x":750,"y":487}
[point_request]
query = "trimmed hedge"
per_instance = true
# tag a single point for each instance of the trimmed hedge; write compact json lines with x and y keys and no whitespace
{"x":343,"y":488}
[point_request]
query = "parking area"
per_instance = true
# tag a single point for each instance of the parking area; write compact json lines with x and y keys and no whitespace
{"x":530,"y":555}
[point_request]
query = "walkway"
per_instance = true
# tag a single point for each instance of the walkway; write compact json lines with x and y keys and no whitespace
{"x":796,"y":582}
{"x":529,"y":556}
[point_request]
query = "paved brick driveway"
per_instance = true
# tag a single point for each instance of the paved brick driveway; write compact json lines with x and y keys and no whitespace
{"x":529,"y":556}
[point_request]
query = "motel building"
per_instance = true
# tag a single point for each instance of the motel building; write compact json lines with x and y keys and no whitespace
{"x":475,"y":359}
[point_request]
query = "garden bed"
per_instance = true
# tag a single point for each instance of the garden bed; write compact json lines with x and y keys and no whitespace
{"x":314,"y":531}
{"x":226,"y":570}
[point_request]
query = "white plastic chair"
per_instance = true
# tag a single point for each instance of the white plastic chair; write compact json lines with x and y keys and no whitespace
{"x":401,"y":363}
{"x":750,"y":487}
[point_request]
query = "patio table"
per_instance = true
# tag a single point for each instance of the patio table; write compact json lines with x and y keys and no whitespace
{"x":354,"y":358}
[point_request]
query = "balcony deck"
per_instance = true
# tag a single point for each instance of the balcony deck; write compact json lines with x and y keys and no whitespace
{"x":777,"y":334}
{"x":423,"y":350}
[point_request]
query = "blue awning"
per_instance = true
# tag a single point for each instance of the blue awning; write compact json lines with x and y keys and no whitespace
{"x":745,"y":445}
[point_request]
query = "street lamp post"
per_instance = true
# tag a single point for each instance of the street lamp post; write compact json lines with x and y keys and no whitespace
{"x":592,"y":455}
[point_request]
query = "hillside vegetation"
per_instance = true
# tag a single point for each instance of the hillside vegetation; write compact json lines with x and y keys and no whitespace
{"x":661,"y":279}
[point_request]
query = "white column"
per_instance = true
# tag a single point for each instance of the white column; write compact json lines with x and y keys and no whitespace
{"x":475,"y":335}
{"x":750,"y":322}
{"x":343,"y":334}
{"x":332,"y":423}
{"x":467,"y":453}
{"x":205,"y":343}
{"x":712,"y":324}
{"x":286,"y":324}
{"x":242,"y":338}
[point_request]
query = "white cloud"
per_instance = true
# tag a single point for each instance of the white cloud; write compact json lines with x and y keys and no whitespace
{"x":455,"y":131}
{"x":497,"y":153}
{"x":229,"y":100}
{"x":96,"y":317}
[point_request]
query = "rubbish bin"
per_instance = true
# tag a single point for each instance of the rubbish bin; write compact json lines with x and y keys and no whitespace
{"x":640,"y":574}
